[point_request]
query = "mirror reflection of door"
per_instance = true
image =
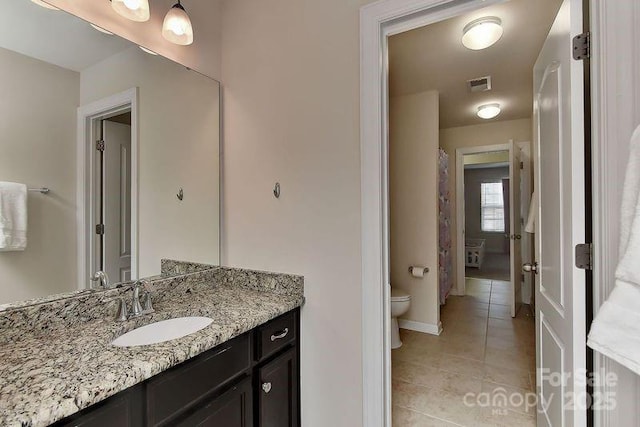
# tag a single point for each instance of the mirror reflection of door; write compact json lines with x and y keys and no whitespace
{"x":113,"y":199}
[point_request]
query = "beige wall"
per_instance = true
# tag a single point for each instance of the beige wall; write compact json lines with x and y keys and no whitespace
{"x":491,"y":157}
{"x":291,"y":77}
{"x":413,"y":185}
{"x":203,"y":55}
{"x":38,"y":110}
{"x":178,"y":148}
{"x":473,"y":136}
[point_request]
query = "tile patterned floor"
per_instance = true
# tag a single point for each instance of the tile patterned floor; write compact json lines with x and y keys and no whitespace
{"x":461,"y":377}
{"x":494,"y":266}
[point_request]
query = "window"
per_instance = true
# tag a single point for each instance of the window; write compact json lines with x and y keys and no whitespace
{"x":491,"y":207}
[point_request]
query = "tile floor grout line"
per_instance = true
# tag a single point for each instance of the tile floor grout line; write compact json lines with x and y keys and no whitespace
{"x":430,"y":416}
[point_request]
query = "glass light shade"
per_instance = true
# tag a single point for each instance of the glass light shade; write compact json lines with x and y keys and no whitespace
{"x":134,"y":10}
{"x":482,"y":33}
{"x":488,"y":111}
{"x":176,"y":27}
{"x":45,"y":5}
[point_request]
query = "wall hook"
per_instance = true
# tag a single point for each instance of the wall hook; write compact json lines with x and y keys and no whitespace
{"x":180,"y":195}
{"x":276,"y":190}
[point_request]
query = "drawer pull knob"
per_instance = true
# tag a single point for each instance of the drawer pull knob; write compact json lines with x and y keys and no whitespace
{"x":280,"y":335}
{"x":266,"y":387}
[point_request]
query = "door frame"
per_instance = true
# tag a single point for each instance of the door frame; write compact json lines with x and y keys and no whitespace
{"x":460,"y":208}
{"x":615,"y":100}
{"x":613,"y":113}
{"x":85,"y":169}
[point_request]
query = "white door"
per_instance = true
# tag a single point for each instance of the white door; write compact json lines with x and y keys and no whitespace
{"x":559,"y":179}
{"x":515,"y":226}
{"x":117,"y":201}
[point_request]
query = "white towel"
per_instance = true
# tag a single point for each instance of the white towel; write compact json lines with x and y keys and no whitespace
{"x":533,"y":213}
{"x":615,"y":332}
{"x":13,"y":216}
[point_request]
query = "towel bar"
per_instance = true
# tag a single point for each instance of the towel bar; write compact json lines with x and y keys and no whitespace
{"x":43,"y":190}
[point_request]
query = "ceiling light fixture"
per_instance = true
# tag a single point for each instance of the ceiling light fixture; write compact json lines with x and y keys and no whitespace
{"x":488,"y":111}
{"x":45,"y":5}
{"x":134,"y":10}
{"x":482,"y":33}
{"x":102,"y":30}
{"x":176,"y":27}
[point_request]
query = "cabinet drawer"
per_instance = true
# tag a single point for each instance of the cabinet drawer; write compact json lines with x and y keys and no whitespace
{"x":275,"y":335}
{"x":179,"y":388}
{"x":123,"y":410}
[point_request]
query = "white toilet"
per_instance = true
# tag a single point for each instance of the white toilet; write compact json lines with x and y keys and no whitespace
{"x":400,"y":302}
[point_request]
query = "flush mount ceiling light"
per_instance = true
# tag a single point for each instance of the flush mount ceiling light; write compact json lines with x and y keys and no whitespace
{"x":45,"y":5}
{"x":176,"y":27}
{"x":102,"y":30}
{"x":135,"y":10}
{"x":482,"y":33}
{"x":488,"y":111}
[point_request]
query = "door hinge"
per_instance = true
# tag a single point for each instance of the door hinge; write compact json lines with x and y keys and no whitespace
{"x":582,"y":46}
{"x":584,"y":256}
{"x":100,"y":229}
{"x":100,"y":145}
{"x":521,"y":165}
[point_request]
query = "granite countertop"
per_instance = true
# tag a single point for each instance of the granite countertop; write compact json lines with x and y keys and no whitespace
{"x":54,"y":372}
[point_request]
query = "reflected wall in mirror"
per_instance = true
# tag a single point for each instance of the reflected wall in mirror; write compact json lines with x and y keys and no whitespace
{"x":127,"y":143}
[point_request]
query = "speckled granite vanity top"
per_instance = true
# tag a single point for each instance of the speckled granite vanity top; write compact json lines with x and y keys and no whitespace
{"x":56,"y":358}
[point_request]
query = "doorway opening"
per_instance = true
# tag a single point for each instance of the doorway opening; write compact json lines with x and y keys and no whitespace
{"x":108,"y":189}
{"x":462,"y":327}
{"x":112,"y":196}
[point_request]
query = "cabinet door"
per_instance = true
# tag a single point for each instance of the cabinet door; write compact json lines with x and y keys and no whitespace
{"x":233,"y":408}
{"x":277,"y":391}
{"x":122,"y":410}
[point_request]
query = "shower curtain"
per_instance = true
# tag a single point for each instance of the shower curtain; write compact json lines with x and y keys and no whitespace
{"x":445,"y":265}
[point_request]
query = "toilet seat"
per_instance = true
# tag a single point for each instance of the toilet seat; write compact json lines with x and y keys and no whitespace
{"x":398,"y":295}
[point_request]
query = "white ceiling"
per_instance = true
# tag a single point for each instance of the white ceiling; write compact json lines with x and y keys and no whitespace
{"x":54,"y":36}
{"x":433,"y":58}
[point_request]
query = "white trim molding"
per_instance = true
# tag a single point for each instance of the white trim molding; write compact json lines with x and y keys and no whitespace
{"x":427,"y":328}
{"x":85,"y":169}
{"x":378,"y":21}
{"x":615,"y":75}
{"x":615,"y":27}
{"x":460,"y":208}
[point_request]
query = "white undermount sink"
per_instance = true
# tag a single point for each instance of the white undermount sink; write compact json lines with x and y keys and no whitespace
{"x":165,"y":330}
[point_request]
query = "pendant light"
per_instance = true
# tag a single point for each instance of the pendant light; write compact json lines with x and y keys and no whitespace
{"x":482,"y":33}
{"x":134,"y":10}
{"x":176,"y":27}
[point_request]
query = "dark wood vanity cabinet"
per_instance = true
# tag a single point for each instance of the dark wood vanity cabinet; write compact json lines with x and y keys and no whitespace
{"x":252,"y":380}
{"x":277,"y":389}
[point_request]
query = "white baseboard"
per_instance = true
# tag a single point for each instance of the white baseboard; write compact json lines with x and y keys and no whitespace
{"x":427,"y":328}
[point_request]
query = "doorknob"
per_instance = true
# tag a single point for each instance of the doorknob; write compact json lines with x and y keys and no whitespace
{"x":266,"y":387}
{"x":530,"y":267}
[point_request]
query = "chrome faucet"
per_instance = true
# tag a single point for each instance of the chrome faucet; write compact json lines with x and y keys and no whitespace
{"x":136,"y":307}
{"x":102,"y":278}
{"x":140,"y":304}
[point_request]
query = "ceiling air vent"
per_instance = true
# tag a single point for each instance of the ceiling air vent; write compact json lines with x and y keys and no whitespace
{"x":480,"y":84}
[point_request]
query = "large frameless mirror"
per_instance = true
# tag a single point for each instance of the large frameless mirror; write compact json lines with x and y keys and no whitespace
{"x":109,"y":157}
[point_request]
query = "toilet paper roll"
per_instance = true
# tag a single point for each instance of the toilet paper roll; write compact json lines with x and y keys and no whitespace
{"x":417,"y":271}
